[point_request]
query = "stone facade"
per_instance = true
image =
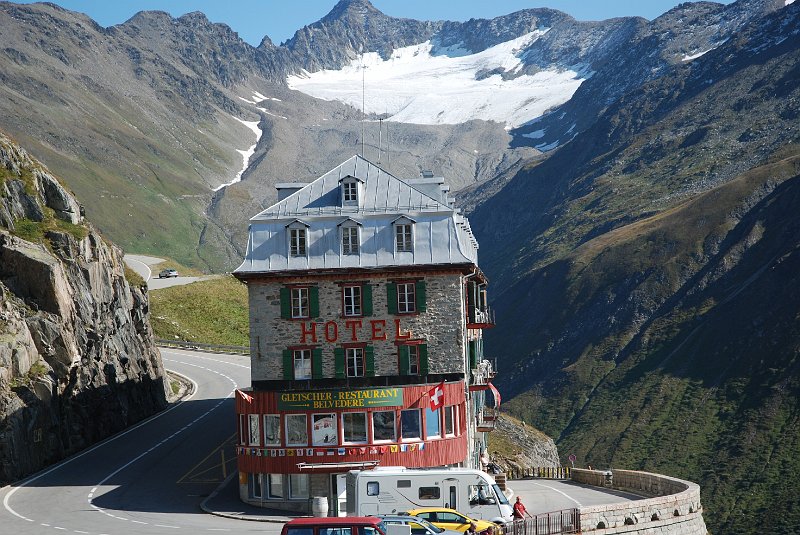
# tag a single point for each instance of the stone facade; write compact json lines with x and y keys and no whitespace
{"x":442,"y":325}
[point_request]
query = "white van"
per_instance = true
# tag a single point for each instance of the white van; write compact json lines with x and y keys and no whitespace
{"x":395,"y":489}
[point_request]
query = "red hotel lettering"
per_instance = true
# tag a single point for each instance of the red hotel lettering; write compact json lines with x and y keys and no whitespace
{"x":398,"y":335}
{"x":352,"y":324}
{"x":331,"y":331}
{"x":378,"y":332}
{"x":304,"y":332}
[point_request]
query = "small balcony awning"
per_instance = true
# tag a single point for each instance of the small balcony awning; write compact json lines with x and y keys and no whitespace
{"x":356,"y":465}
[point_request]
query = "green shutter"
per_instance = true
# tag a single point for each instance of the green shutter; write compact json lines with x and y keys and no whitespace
{"x":366,"y":300}
{"x":404,"y":359}
{"x":288,"y":365}
{"x":338,"y":354}
{"x":391,"y":297}
{"x":316,"y":363}
{"x":369,"y":355}
{"x":286,"y":303}
{"x":313,"y":297}
{"x":423,"y":359}
{"x":420,"y":295}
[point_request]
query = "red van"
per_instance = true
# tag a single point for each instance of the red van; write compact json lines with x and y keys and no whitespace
{"x":347,"y":525}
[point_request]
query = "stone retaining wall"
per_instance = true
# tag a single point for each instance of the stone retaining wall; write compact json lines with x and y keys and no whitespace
{"x":673,"y":505}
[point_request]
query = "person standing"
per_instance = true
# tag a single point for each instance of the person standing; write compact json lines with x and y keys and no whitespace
{"x":519,"y":510}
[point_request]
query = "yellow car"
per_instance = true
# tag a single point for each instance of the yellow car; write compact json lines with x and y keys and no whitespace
{"x":452,"y":519}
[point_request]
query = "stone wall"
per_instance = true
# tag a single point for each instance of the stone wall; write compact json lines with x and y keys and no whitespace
{"x":442,"y":325}
{"x":673,"y":505}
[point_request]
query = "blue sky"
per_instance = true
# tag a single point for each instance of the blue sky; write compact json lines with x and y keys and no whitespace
{"x":279,"y":19}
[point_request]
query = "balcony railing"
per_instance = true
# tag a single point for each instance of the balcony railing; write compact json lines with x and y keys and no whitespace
{"x":480,"y":318}
{"x":486,"y":419}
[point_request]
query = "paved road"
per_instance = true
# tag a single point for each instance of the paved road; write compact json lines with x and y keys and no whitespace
{"x":143,"y":265}
{"x":151,"y":479}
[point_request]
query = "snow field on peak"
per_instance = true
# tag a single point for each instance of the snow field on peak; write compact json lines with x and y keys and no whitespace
{"x":421,"y":85}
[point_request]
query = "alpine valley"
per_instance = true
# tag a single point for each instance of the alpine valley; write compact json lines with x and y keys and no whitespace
{"x":634,"y":186}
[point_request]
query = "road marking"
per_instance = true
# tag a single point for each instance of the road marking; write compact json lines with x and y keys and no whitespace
{"x":560,"y":492}
{"x":215,"y":450}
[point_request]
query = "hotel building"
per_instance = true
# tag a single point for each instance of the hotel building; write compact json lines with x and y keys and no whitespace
{"x":365,"y":296}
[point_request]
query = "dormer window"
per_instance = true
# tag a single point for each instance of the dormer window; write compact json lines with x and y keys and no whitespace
{"x":350,"y":189}
{"x":350,"y":232}
{"x":298,"y":238}
{"x":403,"y":235}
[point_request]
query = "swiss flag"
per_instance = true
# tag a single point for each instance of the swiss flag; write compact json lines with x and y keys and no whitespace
{"x":437,"y":396}
{"x":248,"y":398}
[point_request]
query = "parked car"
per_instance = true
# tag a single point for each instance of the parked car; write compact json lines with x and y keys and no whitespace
{"x":419,"y":526}
{"x":451,"y":519}
{"x":362,"y":525}
{"x":167,"y":273}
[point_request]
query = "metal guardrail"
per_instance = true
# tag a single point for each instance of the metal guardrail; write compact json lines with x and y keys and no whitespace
{"x":213,"y":348}
{"x":542,"y":472}
{"x":556,"y":522}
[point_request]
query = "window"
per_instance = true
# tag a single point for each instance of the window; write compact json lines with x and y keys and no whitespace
{"x":430,"y":493}
{"x":302,"y":363}
{"x":254,"y":438}
{"x":254,"y":486}
{"x":409,"y":359}
{"x":350,"y":241}
{"x":405,"y":297}
{"x":272,"y":430}
{"x":300,"y":303}
{"x":449,"y":428}
{"x":275,"y":483}
{"x":335,"y":531}
{"x":352,"y":300}
{"x":296,"y":430}
{"x":300,"y":531}
{"x":433,"y":427}
{"x":298,"y":486}
{"x":350,"y":191}
{"x":373,"y":488}
{"x":323,"y":430}
{"x":404,"y":238}
{"x":410,"y":424}
{"x":404,"y":484}
{"x":355,"y":361}
{"x":297,"y":241}
{"x":383,"y":426}
{"x":354,"y":427}
{"x":446,"y":516}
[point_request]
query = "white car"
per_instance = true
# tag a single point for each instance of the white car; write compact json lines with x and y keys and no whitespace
{"x":167,"y":273}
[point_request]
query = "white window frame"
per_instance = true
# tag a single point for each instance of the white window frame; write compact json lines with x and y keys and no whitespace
{"x":450,"y":409}
{"x":296,"y":417}
{"x":394,"y":428}
{"x":298,"y":241}
{"x":406,"y":297}
{"x":300,"y":302}
{"x":433,"y":415}
{"x":356,"y":355}
{"x":349,"y":192}
{"x":351,"y":239}
{"x":274,"y":421}
{"x":333,"y":420}
{"x":413,"y":359}
{"x":404,"y":237}
{"x":303,"y":358}
{"x":253,"y":430}
{"x":344,"y":428}
{"x":353,"y":303}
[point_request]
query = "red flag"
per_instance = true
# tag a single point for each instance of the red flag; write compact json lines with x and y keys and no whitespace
{"x":437,"y":396}
{"x":248,"y":398}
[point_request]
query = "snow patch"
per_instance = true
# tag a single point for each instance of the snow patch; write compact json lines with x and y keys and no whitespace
{"x":418,"y":84}
{"x":537,"y":134}
{"x":788,"y":2}
{"x":246,"y":154}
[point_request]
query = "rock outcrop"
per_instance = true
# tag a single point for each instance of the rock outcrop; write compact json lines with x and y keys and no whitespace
{"x":77,"y":357}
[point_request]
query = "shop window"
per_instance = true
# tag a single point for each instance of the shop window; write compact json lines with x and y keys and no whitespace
{"x":298,"y":487}
{"x":275,"y":486}
{"x":296,"y":430}
{"x":383,"y":426}
{"x":354,"y":427}
{"x":272,"y":430}
{"x":254,"y":486}
{"x":433,"y":427}
{"x":323,"y":430}
{"x":410,"y":424}
{"x":254,"y":430}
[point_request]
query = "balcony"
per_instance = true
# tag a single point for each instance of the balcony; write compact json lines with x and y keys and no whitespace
{"x":482,"y":374}
{"x":480,"y":318}
{"x":486,"y":419}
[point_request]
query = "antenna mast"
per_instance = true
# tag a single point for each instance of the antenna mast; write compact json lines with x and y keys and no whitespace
{"x":363,"y":100}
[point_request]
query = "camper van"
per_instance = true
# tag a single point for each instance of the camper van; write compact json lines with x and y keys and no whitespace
{"x":395,"y":489}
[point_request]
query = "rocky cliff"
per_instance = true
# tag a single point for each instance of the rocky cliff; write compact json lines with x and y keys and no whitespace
{"x":77,"y":357}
